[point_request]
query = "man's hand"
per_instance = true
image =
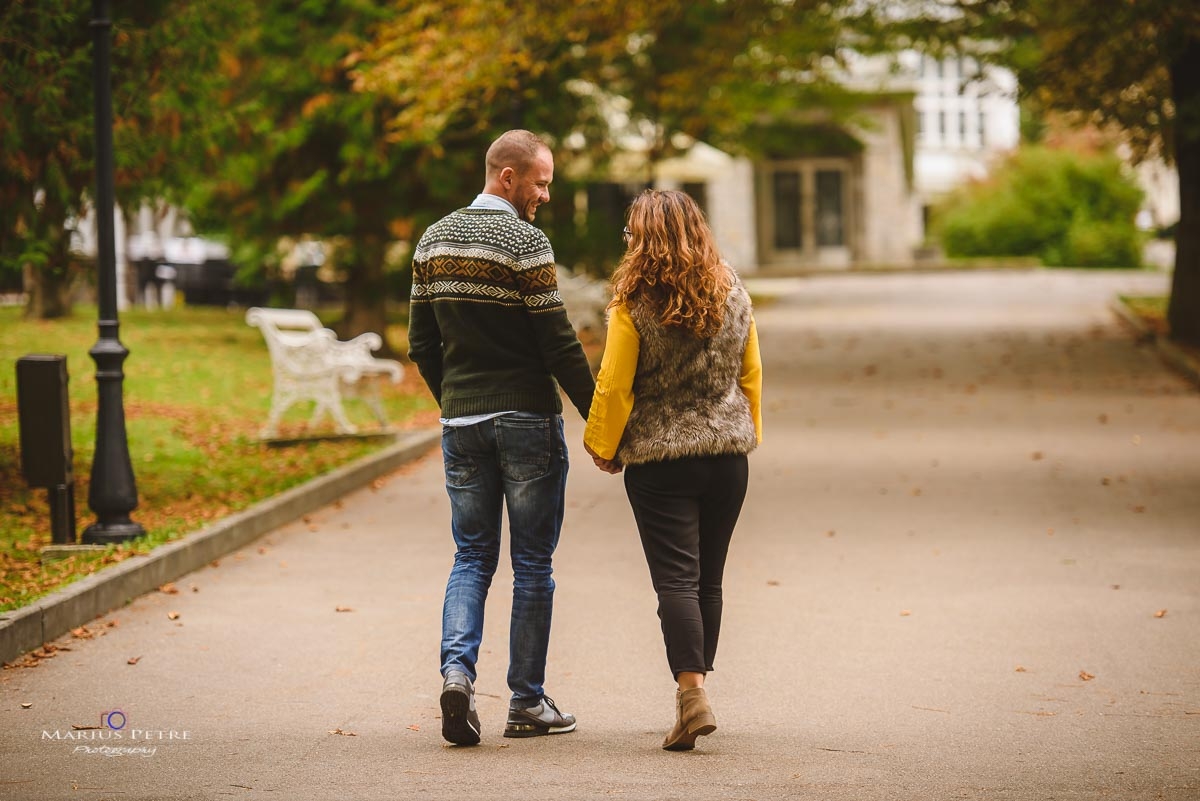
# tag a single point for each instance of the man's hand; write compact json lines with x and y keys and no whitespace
{"x":608,"y":465}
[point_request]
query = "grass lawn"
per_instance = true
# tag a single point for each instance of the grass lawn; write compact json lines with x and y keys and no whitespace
{"x":1151,"y":310}
{"x":196,"y":392}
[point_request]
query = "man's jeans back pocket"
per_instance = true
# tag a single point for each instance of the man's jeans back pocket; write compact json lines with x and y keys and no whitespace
{"x":525,"y":445}
{"x":461,"y":465}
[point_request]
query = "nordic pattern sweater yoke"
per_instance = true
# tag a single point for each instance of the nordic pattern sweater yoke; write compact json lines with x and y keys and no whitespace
{"x":487,"y":327}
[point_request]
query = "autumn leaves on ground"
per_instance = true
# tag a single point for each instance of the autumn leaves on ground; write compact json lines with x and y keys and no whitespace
{"x":196,"y":392}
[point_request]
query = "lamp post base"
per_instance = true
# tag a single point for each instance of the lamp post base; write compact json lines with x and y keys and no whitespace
{"x":111,"y":533}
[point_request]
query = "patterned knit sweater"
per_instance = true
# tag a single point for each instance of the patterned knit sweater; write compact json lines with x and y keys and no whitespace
{"x":487,"y":327}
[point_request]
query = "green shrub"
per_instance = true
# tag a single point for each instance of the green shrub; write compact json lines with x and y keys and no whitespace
{"x":1067,"y":209}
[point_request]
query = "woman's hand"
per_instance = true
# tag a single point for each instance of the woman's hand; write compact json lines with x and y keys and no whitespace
{"x":607,"y":465}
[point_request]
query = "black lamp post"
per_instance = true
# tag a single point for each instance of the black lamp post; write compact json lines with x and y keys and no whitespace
{"x":113,"y":493}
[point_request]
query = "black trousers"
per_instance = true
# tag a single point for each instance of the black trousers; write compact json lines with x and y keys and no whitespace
{"x":686,"y":510}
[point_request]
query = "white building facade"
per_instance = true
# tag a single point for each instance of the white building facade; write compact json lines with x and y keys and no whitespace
{"x":855,"y":193}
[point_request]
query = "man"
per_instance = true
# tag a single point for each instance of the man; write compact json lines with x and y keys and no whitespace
{"x":490,"y":336}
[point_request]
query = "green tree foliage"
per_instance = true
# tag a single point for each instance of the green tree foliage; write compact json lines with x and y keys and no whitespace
{"x":705,"y":68}
{"x":311,"y":153}
{"x":589,"y":74}
{"x":1066,"y":208}
{"x":163,"y":68}
{"x":1130,"y":64}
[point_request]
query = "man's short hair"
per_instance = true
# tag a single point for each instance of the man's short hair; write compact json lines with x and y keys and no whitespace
{"x":517,"y":149}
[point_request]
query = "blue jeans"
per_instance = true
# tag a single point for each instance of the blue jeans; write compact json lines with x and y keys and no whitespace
{"x":517,"y":460}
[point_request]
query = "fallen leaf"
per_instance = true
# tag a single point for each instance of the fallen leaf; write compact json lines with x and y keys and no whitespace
{"x":1036,"y":456}
{"x":1021,"y":669}
{"x":1085,"y":676}
{"x":1161,"y":613}
{"x":133,"y":660}
{"x":414,"y":727}
{"x":830,"y":533}
{"x":905,"y":612}
{"x":343,"y":733}
{"x":262,"y":550}
{"x":343,"y":609}
{"x":1103,"y":419}
{"x":172,"y":615}
{"x":26,"y":706}
{"x":169,"y":589}
{"x":772,"y":583}
{"x":1139,"y":508}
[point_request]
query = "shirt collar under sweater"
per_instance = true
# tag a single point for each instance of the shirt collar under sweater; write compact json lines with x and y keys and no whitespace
{"x":495,"y":202}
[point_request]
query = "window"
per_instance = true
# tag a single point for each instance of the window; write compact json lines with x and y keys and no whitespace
{"x":829,"y":209}
{"x":785,"y":188}
{"x":698,"y":190}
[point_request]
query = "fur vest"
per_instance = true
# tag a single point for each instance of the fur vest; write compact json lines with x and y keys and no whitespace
{"x":686,"y":397}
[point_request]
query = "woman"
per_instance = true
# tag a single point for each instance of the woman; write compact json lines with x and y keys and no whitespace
{"x":677,"y":406}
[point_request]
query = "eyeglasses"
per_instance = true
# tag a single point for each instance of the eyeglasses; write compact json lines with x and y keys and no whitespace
{"x":627,"y":234}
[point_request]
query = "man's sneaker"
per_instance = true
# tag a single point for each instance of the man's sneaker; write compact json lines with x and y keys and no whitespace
{"x":460,"y":721}
{"x":539,"y":720}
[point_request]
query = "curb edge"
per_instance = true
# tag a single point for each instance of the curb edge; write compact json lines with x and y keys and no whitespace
{"x":1175,"y":357}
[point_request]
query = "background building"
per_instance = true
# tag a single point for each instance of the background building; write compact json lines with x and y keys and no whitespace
{"x":825,"y":194}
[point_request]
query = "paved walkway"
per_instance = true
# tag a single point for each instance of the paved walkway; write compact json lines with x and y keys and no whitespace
{"x":968,"y":568}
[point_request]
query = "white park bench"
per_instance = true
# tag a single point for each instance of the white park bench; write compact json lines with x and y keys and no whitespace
{"x":309,"y":362}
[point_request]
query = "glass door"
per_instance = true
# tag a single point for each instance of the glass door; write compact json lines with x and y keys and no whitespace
{"x":805,"y":212}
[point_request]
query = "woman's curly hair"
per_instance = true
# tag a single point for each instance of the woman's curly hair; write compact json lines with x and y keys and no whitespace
{"x":672,"y":264}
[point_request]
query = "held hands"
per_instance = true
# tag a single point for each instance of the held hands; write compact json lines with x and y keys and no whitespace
{"x":607,"y":465}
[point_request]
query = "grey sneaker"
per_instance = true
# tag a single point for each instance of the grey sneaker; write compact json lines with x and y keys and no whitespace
{"x":539,"y":720}
{"x":460,"y":721}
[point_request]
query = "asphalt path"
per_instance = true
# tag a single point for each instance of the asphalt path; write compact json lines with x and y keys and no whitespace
{"x":968,"y":568}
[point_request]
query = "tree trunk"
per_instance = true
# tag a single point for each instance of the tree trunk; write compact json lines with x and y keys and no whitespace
{"x":48,"y":285}
{"x":366,"y":294}
{"x":1183,"y":313}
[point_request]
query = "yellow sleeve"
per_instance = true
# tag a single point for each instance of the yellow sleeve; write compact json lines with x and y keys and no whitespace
{"x":751,"y":378}
{"x":613,"y":400}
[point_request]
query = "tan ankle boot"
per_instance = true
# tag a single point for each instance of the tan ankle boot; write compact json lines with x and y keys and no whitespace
{"x":693,"y":718}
